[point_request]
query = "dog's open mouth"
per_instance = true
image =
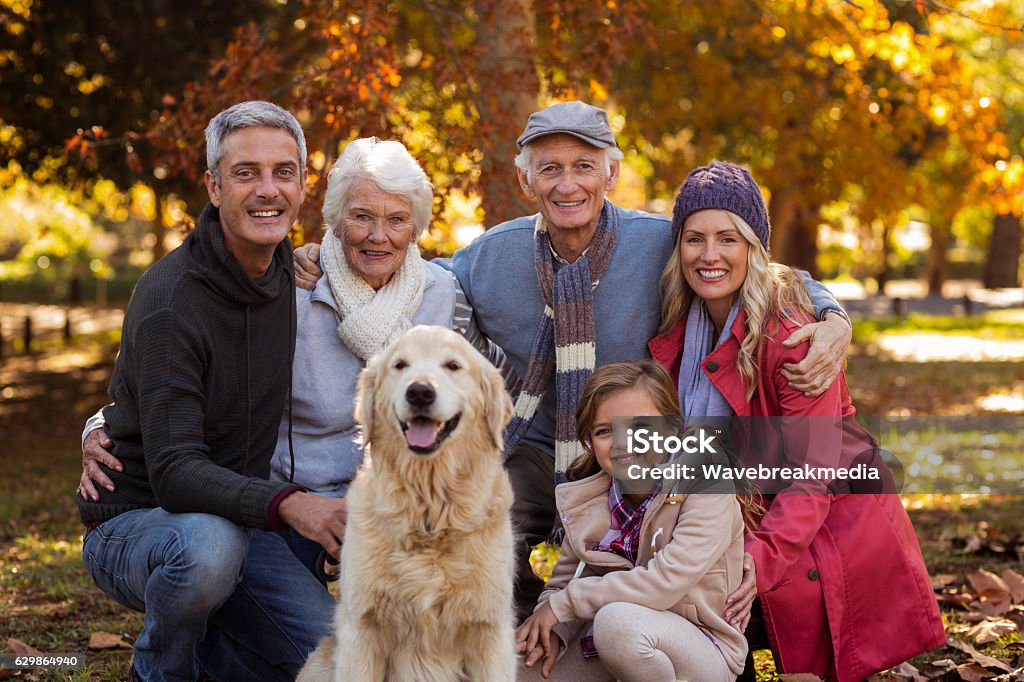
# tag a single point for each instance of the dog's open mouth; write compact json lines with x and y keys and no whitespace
{"x":424,"y":436}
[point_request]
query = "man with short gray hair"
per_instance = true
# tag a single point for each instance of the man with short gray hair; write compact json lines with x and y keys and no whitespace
{"x":203,"y":370}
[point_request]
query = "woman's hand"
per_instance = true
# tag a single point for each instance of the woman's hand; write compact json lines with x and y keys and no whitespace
{"x":829,"y":340}
{"x":537,"y":630}
{"x":307,"y":272}
{"x":739,"y":603}
{"x":96,"y":450}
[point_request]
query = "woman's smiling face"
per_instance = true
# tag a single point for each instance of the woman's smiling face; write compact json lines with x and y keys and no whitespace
{"x":714,"y":257}
{"x":375,"y":230}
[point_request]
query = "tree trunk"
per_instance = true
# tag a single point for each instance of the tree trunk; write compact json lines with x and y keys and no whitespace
{"x":783,"y":209}
{"x":157,"y":228}
{"x":804,"y":245}
{"x":884,"y":272}
{"x":1002,"y":267}
{"x":507,"y":92}
{"x":940,"y":234}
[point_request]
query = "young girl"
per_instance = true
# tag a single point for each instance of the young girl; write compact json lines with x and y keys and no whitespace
{"x":842,"y":588}
{"x":640,"y":587}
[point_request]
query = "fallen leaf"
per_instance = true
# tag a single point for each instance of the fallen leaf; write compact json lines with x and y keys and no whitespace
{"x":991,"y":630}
{"x":954,"y":599}
{"x":938,"y":668}
{"x":989,"y":586}
{"x":972,"y":672}
{"x":991,"y":609}
{"x":1015,"y":581}
{"x":979,"y":658}
{"x":16,"y":646}
{"x":907,"y":672}
{"x":108,"y":640}
{"x":940,"y":580}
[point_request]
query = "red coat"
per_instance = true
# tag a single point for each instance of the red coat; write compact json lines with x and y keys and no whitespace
{"x":840,"y":577}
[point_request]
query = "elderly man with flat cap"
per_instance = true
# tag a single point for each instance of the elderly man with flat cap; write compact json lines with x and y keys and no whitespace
{"x":571,"y":288}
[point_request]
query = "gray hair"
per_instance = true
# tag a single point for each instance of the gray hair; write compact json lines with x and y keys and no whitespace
{"x":252,"y":114}
{"x":387,"y":164}
{"x":524,"y":158}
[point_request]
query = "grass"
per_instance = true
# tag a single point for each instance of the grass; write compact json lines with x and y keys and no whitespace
{"x":996,"y":324}
{"x":48,"y":601}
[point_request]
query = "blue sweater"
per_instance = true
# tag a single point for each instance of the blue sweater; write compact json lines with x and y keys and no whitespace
{"x":497,"y":273}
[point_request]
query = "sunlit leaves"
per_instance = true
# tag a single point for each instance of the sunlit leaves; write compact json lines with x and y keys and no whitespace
{"x":47,"y":230}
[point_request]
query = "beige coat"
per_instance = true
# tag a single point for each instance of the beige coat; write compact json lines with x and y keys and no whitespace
{"x":689,"y":559}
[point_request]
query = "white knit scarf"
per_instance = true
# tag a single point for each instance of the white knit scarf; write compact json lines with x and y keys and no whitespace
{"x":372,"y":319}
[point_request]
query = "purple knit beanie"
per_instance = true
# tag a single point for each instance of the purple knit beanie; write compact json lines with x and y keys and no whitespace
{"x":724,"y":186}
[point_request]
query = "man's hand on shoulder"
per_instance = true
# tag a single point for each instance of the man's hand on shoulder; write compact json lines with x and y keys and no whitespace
{"x":320,"y":519}
{"x":307,"y":270}
{"x":829,"y":340}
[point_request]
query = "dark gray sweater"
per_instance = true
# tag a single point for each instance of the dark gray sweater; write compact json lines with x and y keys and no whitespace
{"x":199,"y":384}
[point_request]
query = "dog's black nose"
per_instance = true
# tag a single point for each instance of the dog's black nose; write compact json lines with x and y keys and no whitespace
{"x":420,"y":395}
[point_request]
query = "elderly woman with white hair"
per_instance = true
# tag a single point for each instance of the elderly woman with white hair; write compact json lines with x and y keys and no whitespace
{"x":378,"y":203}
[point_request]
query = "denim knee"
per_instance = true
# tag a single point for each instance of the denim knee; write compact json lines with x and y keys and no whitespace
{"x":205,"y":560}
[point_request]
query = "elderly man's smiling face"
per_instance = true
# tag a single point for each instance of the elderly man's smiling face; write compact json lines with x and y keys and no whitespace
{"x":568,"y":179}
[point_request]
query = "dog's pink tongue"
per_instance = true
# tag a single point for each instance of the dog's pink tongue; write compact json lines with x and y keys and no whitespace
{"x":421,"y":433}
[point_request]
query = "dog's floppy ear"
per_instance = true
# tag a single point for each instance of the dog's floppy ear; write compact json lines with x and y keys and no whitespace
{"x":364,"y":397}
{"x":498,"y":407}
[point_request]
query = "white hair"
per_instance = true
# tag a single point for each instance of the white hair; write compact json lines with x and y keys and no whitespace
{"x":525,"y":157}
{"x":387,"y":164}
{"x":254,"y":114}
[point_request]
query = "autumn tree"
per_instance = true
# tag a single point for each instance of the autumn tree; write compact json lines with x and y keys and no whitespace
{"x":80,"y":86}
{"x":818,"y":97}
{"x":814,"y":96}
{"x":990,"y":38}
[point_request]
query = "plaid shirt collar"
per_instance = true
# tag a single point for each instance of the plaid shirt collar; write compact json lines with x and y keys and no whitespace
{"x":623,"y":536}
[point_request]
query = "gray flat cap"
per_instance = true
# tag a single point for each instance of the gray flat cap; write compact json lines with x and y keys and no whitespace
{"x":588,"y":123}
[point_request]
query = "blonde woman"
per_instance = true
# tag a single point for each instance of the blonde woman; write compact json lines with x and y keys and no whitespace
{"x":842,"y":588}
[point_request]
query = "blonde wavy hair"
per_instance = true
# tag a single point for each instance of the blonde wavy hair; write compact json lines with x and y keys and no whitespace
{"x":768,"y":288}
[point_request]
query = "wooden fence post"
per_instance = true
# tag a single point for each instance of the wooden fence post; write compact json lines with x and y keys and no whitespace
{"x":28,"y":335}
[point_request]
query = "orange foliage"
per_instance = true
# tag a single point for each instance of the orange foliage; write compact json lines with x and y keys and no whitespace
{"x":814,"y":95}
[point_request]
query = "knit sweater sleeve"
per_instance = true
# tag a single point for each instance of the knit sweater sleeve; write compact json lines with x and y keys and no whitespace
{"x":464,"y":322}
{"x":169,"y":363}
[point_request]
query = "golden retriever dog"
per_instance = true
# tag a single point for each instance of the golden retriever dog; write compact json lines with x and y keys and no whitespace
{"x":426,"y":567}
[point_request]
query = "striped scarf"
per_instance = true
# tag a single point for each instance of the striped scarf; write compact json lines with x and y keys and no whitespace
{"x":565,"y":341}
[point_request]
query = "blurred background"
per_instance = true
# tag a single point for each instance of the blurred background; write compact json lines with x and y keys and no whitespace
{"x":888,"y":135}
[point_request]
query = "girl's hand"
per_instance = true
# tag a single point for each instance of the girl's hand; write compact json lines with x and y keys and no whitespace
{"x":537,"y":630}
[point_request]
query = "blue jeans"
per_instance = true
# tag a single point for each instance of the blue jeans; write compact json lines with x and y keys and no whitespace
{"x":305,"y":550}
{"x":236,"y":602}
